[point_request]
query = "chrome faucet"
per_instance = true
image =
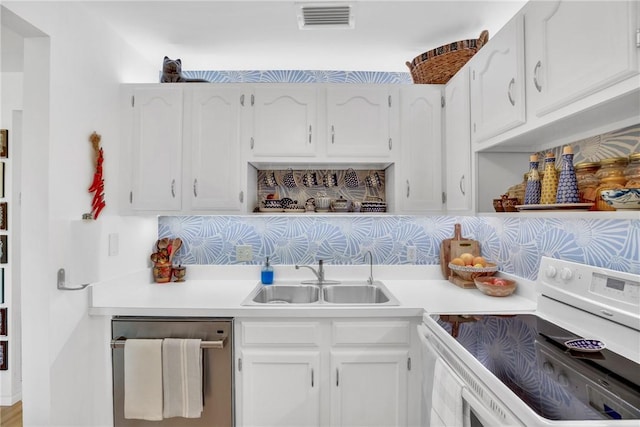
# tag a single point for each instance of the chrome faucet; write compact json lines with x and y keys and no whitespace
{"x":364,"y":258}
{"x":319,"y":274}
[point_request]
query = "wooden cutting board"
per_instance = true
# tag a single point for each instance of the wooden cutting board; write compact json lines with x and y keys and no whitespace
{"x":459,"y":247}
{"x":445,"y":250}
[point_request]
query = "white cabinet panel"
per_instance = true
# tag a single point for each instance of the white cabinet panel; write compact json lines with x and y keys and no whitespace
{"x":497,"y":83}
{"x":458,"y":144}
{"x":576,"y":48}
{"x":280,"y":388}
{"x":283,"y":121}
{"x":157,"y":149}
{"x":358,"y":121}
{"x":419,"y":185}
{"x":214,"y":135}
{"x":369,"y":388}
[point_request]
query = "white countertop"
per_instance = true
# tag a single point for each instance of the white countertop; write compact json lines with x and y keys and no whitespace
{"x":218,"y":291}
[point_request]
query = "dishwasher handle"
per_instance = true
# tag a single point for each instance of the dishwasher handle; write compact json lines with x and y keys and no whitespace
{"x":119,"y":343}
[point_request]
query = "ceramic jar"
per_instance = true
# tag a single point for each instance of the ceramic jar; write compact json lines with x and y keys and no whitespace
{"x":162,"y":272}
{"x":549,"y":187}
{"x":587,"y":181}
{"x":567,"y":183}
{"x":632,"y":171}
{"x":532,"y":190}
{"x":611,"y":176}
{"x":323,"y":203}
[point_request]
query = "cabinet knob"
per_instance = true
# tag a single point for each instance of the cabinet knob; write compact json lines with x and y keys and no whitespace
{"x":251,"y":143}
{"x":460,"y":184}
{"x":241,"y":196}
{"x":173,"y":188}
{"x":408,"y":189}
{"x":333,"y":134}
{"x":535,"y":76}
{"x":195,"y":187}
{"x":310,"y":133}
{"x":390,"y":144}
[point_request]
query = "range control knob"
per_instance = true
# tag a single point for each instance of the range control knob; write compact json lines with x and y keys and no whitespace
{"x":548,"y":367}
{"x":551,"y":272}
{"x":566,"y":274}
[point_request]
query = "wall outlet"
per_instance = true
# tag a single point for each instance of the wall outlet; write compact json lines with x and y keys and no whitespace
{"x":412,"y":254}
{"x":244,"y":253}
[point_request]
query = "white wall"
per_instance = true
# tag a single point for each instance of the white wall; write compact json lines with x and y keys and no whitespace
{"x":71,"y":81}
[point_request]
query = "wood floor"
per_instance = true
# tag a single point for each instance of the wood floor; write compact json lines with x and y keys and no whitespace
{"x":11,"y":416}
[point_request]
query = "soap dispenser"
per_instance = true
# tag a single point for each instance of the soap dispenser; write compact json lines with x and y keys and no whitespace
{"x":266,"y":275}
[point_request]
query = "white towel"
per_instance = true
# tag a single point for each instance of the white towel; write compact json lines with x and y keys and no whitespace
{"x":182,"y":377}
{"x":429,"y":357}
{"x":143,"y":379}
{"x":446,"y":405}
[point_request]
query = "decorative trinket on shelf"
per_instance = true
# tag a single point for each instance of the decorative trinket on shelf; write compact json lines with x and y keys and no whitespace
{"x":97,"y":186}
{"x":549,"y":180}
{"x":567,"y":184}
{"x":162,"y":259}
{"x":532,"y":190}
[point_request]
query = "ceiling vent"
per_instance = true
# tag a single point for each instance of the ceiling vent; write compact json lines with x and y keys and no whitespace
{"x":325,"y":16}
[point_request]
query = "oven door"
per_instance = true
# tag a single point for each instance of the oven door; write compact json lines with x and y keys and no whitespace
{"x":475,"y":413}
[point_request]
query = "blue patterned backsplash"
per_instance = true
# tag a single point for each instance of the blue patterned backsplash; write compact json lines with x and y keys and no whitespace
{"x":516,"y":244}
{"x":300,"y":76}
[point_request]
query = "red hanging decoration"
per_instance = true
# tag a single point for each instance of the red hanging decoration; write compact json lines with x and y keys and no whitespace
{"x":97,"y":186}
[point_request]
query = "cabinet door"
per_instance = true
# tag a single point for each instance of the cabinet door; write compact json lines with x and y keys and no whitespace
{"x":283,"y":121}
{"x":369,"y":388}
{"x":576,"y":48}
{"x":280,"y":388}
{"x":358,"y":121}
{"x":214,"y":134}
{"x":157,"y":149}
{"x":497,"y":83}
{"x":458,"y":143}
{"x":419,"y":186}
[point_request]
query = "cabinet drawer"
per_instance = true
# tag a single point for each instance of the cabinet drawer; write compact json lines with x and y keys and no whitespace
{"x":348,"y":333}
{"x":299,"y":333}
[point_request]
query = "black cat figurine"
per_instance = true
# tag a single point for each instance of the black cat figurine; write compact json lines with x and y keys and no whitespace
{"x":172,"y":72}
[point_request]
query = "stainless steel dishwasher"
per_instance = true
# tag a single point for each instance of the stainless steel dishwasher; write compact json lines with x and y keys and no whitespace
{"x":217,"y":367}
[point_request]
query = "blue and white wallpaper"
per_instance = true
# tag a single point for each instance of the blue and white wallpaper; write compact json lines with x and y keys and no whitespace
{"x":516,"y":244}
{"x":299,"y":76}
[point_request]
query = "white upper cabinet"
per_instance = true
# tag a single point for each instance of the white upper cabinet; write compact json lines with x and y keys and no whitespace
{"x":457,"y":142}
{"x":497,"y":83}
{"x":357,"y":121}
{"x":283,"y":121}
{"x":212,"y":174}
{"x":577,"y":48}
{"x":156,"y":149}
{"x":419,"y":172}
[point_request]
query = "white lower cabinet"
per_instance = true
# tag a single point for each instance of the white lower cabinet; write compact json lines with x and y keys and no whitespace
{"x":349,"y":372}
{"x":280,"y":388}
{"x":369,"y":387}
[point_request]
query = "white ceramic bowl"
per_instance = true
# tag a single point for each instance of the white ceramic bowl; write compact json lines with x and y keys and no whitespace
{"x":623,"y":198}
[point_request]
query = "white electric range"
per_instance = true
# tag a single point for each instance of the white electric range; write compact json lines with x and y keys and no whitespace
{"x":576,"y":360}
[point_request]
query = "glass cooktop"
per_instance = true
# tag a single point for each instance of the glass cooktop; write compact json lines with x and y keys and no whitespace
{"x":535,"y":360}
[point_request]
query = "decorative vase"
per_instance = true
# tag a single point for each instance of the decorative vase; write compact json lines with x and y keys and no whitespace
{"x":567,"y":183}
{"x":549,"y":181}
{"x":532,"y":190}
{"x":162,"y":272}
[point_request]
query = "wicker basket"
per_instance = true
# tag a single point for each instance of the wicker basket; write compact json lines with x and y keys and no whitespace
{"x":438,"y":65}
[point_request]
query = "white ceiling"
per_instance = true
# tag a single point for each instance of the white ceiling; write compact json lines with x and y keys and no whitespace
{"x":264,"y":35}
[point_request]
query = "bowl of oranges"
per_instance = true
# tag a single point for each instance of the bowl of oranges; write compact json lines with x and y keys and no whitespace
{"x":468,"y":266}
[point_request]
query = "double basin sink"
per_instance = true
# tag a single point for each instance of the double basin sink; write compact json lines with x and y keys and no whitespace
{"x":335,"y":293}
